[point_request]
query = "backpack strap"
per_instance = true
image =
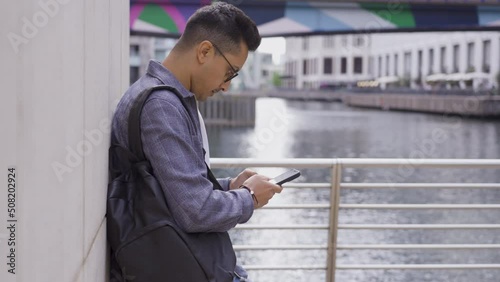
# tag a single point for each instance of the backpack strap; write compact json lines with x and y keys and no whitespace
{"x":134,"y":119}
{"x":212,"y":179}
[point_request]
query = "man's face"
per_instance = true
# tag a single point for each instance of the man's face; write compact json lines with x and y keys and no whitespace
{"x":217,"y":70}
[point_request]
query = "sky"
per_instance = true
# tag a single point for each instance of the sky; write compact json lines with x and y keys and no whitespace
{"x":273,"y":45}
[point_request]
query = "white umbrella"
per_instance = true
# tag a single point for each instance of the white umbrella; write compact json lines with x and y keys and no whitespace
{"x":387,"y":79}
{"x":476,"y":75}
{"x":436,"y":77}
{"x":456,"y":76}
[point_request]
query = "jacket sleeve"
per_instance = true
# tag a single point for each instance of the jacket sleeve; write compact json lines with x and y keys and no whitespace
{"x":224,"y":183}
{"x":177,"y":164}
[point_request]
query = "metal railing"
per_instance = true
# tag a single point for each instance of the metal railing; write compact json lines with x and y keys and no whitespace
{"x":336,"y":167}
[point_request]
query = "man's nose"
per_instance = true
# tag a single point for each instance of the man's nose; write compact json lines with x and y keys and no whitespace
{"x":225,"y":85}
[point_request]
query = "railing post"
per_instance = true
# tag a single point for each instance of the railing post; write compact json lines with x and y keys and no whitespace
{"x":334,"y":220}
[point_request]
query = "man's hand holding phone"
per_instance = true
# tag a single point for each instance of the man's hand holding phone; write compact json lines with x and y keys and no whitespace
{"x":263,"y":188}
{"x":241,"y":178}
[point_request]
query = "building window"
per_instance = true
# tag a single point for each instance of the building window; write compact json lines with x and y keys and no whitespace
{"x":328,"y":41}
{"x":310,"y":66}
{"x":379,"y":66}
{"x":443,"y":60}
{"x":265,"y":73}
{"x":486,"y":55}
{"x":343,"y":65}
{"x":358,"y":65}
{"x":305,"y":43}
{"x":431,"y":61}
{"x":407,"y":64}
{"x":371,"y":66}
{"x":327,"y":65}
{"x":344,"y":40}
{"x":304,"y":67}
{"x":396,"y":63}
{"x":470,"y":57}
{"x":456,"y":53}
{"x":358,"y":41}
{"x":387,"y":66}
{"x":420,"y":60}
{"x":134,"y":50}
{"x":266,"y":58}
{"x":134,"y":74}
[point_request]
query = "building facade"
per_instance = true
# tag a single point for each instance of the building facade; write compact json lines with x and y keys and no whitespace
{"x":415,"y":60}
{"x":145,"y":48}
{"x":318,"y":61}
{"x":257,"y":73}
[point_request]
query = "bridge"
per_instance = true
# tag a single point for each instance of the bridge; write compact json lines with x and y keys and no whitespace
{"x":295,"y":18}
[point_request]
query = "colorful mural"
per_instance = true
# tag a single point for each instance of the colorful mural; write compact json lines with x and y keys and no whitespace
{"x":282,"y":18}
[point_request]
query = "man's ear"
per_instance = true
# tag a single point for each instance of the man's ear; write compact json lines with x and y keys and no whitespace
{"x":204,"y":51}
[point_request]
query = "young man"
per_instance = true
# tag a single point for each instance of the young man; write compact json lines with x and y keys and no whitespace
{"x":209,"y":54}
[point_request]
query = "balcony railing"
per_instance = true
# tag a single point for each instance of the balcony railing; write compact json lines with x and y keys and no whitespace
{"x":331,"y":246}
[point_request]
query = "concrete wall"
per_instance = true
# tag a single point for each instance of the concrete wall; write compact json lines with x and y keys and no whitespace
{"x":64,"y":65}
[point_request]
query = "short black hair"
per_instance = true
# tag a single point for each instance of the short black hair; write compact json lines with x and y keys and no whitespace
{"x":222,"y":24}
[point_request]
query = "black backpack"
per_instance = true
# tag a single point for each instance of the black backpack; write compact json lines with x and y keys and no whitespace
{"x":146,"y":245}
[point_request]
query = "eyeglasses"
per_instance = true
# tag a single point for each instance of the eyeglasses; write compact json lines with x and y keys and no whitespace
{"x":235,"y":72}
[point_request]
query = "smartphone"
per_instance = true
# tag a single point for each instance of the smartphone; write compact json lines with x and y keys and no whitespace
{"x":286,"y":177}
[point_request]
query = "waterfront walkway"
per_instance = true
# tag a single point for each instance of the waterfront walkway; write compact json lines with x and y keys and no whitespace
{"x":457,"y":103}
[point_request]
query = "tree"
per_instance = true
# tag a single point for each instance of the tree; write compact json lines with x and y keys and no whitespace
{"x":404,"y":82}
{"x":276,"y":79}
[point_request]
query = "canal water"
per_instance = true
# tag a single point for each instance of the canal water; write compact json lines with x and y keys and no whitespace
{"x":297,"y":129}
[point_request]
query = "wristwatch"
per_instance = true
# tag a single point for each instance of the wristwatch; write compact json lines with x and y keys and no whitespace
{"x":251,"y":193}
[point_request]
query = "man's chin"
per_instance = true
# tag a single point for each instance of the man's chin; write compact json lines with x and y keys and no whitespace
{"x":213,"y":93}
{"x":203,"y":98}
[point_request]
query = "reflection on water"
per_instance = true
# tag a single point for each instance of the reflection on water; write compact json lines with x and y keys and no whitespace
{"x":293,"y":129}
